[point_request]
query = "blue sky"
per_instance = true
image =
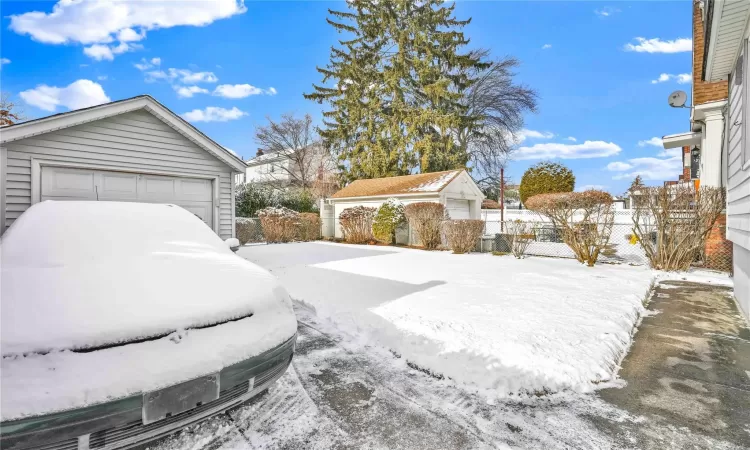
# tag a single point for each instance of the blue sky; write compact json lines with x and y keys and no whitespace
{"x":246,"y":63}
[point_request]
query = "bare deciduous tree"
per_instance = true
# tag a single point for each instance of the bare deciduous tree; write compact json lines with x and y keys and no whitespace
{"x":299,"y":158}
{"x":672,"y":222}
{"x":495,"y":106}
{"x":10,"y":112}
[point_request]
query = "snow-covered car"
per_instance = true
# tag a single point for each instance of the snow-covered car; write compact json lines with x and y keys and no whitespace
{"x":123,"y":322}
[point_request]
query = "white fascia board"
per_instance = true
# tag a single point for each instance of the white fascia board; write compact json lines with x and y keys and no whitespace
{"x":681,"y":140}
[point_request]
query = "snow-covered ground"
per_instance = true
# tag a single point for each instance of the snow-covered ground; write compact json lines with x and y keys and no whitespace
{"x":499,"y":324}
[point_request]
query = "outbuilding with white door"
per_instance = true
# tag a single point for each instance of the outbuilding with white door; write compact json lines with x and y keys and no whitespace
{"x":133,"y":150}
{"x":454,"y":189}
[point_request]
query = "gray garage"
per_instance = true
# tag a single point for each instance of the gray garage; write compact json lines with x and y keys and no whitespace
{"x":133,"y":150}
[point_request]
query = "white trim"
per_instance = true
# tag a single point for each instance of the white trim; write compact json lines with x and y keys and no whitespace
{"x":36,"y":179}
{"x":376,"y":197}
{"x":700,"y":112}
{"x":715,"y":18}
{"x":681,"y":140}
{"x":3,"y":186}
{"x":73,"y":118}
{"x":232,"y":189}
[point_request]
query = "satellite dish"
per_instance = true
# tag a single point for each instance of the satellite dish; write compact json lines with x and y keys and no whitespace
{"x":677,"y":99}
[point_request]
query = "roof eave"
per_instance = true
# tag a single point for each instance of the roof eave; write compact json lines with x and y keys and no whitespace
{"x":721,"y":19}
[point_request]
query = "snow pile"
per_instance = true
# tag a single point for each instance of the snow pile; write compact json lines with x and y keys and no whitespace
{"x":530,"y":325}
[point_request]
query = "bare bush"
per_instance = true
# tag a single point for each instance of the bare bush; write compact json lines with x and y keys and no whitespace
{"x":279,"y":224}
{"x":584,"y":218}
{"x":356,"y":224}
{"x":426,"y":220}
{"x":309,"y":229}
{"x":521,"y":236}
{"x":463,"y":234}
{"x":248,"y":230}
{"x":672,"y":222}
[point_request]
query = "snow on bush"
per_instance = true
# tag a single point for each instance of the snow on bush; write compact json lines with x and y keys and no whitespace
{"x":248,"y":230}
{"x":585,"y":219}
{"x":390,"y":216}
{"x":279,"y":224}
{"x":309,"y":229}
{"x":356,"y":224}
{"x":463,"y":234}
{"x":426,"y":219}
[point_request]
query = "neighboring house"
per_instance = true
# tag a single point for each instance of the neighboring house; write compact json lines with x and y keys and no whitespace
{"x":719,"y":139}
{"x":454,"y":189}
{"x":309,"y":165}
{"x":133,"y":150}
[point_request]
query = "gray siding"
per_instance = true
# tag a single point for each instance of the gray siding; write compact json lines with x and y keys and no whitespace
{"x":738,"y":179}
{"x":132,"y":141}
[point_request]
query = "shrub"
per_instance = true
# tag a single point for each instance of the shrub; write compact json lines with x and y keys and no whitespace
{"x":584,"y":218}
{"x":521,"y":236}
{"x":672,"y":222}
{"x":426,"y":219}
{"x":389,"y":216}
{"x":248,"y":230}
{"x":279,"y":224}
{"x":463,"y":234}
{"x":356,"y":224}
{"x":309,"y":229}
{"x":545,"y":178}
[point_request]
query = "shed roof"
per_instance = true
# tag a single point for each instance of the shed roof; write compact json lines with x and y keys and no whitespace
{"x":408,"y":184}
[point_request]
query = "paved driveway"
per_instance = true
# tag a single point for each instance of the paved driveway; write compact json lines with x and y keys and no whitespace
{"x":340,"y":394}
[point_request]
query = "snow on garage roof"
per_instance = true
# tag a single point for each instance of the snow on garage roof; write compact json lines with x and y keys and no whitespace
{"x":404,"y":185}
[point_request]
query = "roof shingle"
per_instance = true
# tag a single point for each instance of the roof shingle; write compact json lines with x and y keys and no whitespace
{"x":407,"y":184}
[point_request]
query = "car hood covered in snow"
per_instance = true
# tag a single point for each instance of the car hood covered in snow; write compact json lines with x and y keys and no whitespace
{"x":79,"y":275}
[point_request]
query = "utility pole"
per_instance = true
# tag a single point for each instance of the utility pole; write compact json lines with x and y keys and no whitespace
{"x":502,"y":199}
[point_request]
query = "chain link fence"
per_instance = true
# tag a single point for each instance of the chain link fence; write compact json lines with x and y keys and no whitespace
{"x":248,"y":230}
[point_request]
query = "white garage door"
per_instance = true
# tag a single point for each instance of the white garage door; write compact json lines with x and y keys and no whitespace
{"x":458,"y":209}
{"x":193,"y":194}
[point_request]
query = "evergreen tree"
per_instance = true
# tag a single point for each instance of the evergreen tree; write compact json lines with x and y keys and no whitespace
{"x":546,"y":177}
{"x":398,"y":84}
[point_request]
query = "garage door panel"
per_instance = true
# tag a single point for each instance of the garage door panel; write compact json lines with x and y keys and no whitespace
{"x":196,"y":189}
{"x":458,"y":209}
{"x":68,"y":183}
{"x":118,"y":186}
{"x":194,"y":195}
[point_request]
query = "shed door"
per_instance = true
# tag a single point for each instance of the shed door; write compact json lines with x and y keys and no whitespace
{"x":193,"y":194}
{"x":458,"y":209}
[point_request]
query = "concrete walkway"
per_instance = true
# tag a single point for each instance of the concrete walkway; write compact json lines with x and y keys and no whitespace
{"x":689,"y":367}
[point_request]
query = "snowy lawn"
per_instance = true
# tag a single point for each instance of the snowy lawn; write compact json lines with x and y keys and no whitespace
{"x":531,"y":325}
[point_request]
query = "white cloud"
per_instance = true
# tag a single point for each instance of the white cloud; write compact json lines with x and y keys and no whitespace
{"x":156,"y":61}
{"x":656,"y":45}
{"x":571,"y":139}
{"x":550,"y":150}
{"x":649,"y":168}
{"x":4,"y":61}
{"x":682,"y":78}
{"x":546,"y":46}
{"x":272,"y":91}
{"x":606,"y":11}
{"x":523,"y":134}
{"x":241,"y":90}
{"x":214,"y":114}
{"x":78,"y":94}
{"x":96,"y":22}
{"x":186,"y":76}
{"x":654,"y":141}
{"x":99,"y":52}
{"x":101,"y":77}
{"x":671,"y":152}
{"x":189,"y":91}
